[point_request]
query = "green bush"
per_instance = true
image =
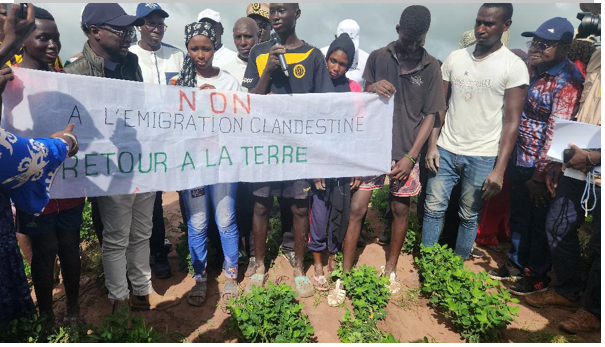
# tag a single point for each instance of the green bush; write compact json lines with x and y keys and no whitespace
{"x":413,"y":236}
{"x":475,"y":303}
{"x":353,"y":330}
{"x":28,"y":329}
{"x":87,"y":231}
{"x":122,"y":328}
{"x":368,"y":292}
{"x":380,"y":200}
{"x":269,"y":314}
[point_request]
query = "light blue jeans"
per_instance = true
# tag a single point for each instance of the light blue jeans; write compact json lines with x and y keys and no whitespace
{"x":472,"y":171}
{"x":197,"y":203}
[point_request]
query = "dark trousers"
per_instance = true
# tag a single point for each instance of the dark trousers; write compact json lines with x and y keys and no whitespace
{"x":244,"y":206}
{"x":529,"y":245}
{"x":321,"y":236}
{"x":562,"y":222}
{"x":51,"y":235}
{"x":158,"y":231}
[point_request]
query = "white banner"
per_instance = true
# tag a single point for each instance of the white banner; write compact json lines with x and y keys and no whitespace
{"x":140,"y":137}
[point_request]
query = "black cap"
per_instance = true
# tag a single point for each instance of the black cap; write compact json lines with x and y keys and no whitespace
{"x":108,"y":13}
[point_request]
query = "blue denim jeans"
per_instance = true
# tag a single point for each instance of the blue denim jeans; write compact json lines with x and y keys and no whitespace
{"x":197,"y":202}
{"x":564,"y":217}
{"x":471,"y":172}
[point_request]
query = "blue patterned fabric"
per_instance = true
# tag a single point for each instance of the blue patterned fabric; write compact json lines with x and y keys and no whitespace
{"x":28,"y":167}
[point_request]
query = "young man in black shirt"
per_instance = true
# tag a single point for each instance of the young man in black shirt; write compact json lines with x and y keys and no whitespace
{"x":308,"y":73}
{"x":405,"y":71}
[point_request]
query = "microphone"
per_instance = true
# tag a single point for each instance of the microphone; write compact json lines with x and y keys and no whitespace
{"x":282,"y":58}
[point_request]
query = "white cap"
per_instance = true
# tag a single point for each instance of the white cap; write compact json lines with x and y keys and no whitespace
{"x":350,"y":27}
{"x":210,"y":14}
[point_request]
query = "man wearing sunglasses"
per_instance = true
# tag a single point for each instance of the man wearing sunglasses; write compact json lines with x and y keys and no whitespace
{"x":260,"y":13}
{"x":159,"y":62}
{"x":554,"y":93}
{"x":127,"y":220}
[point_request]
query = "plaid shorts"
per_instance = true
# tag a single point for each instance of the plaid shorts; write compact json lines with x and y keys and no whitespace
{"x":403,"y":189}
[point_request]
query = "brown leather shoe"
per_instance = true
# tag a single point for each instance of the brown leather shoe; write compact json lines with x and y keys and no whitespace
{"x":581,"y":322}
{"x":548,"y":298}
{"x":153,"y":301}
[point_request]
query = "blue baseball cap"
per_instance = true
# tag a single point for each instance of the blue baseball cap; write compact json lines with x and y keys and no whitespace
{"x":143,"y":10}
{"x":554,"y":29}
{"x":108,"y":13}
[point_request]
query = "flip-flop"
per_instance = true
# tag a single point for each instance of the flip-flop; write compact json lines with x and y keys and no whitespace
{"x":304,"y":287}
{"x":198,"y":291}
{"x":394,"y":285}
{"x":257,"y":280}
{"x":321,"y":283}
{"x":230,"y":288}
{"x":337,"y":295}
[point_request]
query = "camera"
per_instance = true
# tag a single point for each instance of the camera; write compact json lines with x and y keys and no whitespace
{"x":590,"y":24}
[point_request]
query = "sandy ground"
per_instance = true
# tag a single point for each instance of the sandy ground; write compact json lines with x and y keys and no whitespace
{"x":407,"y":320}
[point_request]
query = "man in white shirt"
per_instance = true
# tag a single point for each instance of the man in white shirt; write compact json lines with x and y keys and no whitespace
{"x":159,"y":61}
{"x":485,"y":87}
{"x":355,"y":73}
{"x":222,"y":55}
{"x":245,"y":36}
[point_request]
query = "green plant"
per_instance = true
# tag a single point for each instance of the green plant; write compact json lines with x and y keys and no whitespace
{"x":380,"y":200}
{"x":475,"y":303}
{"x":413,"y":235}
{"x":367,"y":227}
{"x":368,"y":292}
{"x":269,"y":314}
{"x":354,"y":330}
{"x":87,"y":231}
{"x":28,"y":329}
{"x":122,"y":328}
{"x":182,"y":251}
{"x":337,"y":272}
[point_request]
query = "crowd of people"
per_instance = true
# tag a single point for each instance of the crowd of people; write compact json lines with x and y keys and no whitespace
{"x":470,"y":138}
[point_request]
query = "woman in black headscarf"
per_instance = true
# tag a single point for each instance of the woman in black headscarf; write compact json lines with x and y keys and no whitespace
{"x":197,"y":71}
{"x":332,"y":198}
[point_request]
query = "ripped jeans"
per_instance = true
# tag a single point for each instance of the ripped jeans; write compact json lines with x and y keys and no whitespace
{"x":197,"y":203}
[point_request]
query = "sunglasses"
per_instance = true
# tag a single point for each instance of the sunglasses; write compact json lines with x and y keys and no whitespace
{"x":539,"y":46}
{"x":121,"y":33}
{"x":152,"y":27}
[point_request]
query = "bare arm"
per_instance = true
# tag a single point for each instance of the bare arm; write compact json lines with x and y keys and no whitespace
{"x":514,"y":99}
{"x":432,"y":154}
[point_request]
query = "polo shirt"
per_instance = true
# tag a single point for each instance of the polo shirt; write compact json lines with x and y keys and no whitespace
{"x":419,"y":93}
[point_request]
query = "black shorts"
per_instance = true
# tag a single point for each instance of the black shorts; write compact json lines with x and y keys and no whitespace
{"x":298,"y":190}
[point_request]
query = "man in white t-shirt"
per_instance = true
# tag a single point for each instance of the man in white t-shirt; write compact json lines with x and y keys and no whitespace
{"x":245,"y":36}
{"x":159,"y":61}
{"x":222,"y":55}
{"x":355,"y":73}
{"x":485,"y":86}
